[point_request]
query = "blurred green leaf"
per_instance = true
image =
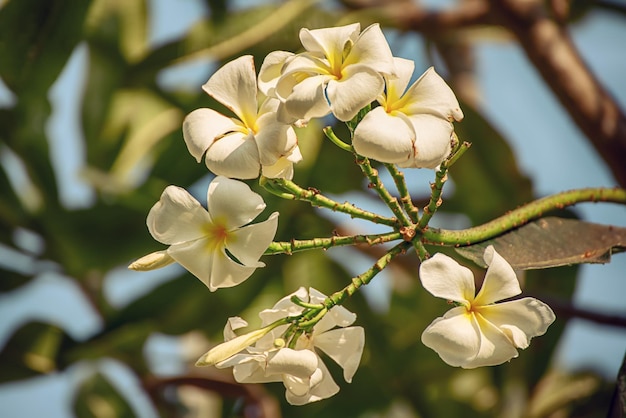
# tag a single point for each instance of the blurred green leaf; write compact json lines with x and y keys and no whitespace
{"x":552,"y":242}
{"x":31,"y":350}
{"x":97,"y":397}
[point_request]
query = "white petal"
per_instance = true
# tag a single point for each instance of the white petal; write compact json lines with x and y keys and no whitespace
{"x":274,"y":139}
{"x":196,"y":257}
{"x":307,"y":99}
{"x":500,"y":280}
{"x":430,"y":94}
{"x":227,"y":349}
{"x":520,"y":319}
{"x":456,"y":337}
{"x":228,"y":273}
{"x":248,"y":368}
{"x":177,"y":217}
{"x":234,"y":155}
{"x":283,"y":168}
{"x":298,"y":363}
{"x":397,"y":86}
{"x":249,"y":243}
{"x":432,"y":141}
{"x":359,"y":87}
{"x":345,"y":346}
{"x":383,"y":137}
{"x":445,"y":278}
{"x":372,"y":49}
{"x":330,"y":41}
{"x":234,"y":85}
{"x":495,"y":346}
{"x":152,"y":261}
{"x":233,"y":202}
{"x":322,"y":386}
{"x":271,"y":70}
{"x":202,"y":127}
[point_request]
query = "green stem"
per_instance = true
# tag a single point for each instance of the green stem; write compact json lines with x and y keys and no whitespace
{"x":340,"y":296}
{"x":405,"y":196}
{"x":314,"y":197}
{"x":372,"y":175}
{"x":325,"y":243}
{"x":330,"y":134}
{"x":521,"y":216}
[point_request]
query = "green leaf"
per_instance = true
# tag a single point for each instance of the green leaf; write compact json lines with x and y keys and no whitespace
{"x":97,"y":397}
{"x":31,"y":350}
{"x":552,"y":242}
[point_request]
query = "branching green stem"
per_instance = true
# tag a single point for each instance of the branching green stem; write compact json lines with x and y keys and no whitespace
{"x":314,"y":197}
{"x":325,"y":243}
{"x":372,"y":175}
{"x":521,"y":216}
{"x":405,"y":196}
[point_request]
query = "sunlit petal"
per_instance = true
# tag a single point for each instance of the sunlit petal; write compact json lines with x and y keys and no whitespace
{"x":520,"y":319}
{"x":384,"y":137}
{"x":445,"y":278}
{"x":322,"y":386}
{"x":344,"y":346}
{"x":234,"y":85}
{"x":271,"y":70}
{"x":500,"y":280}
{"x":330,"y":41}
{"x":298,"y":363}
{"x":430,"y":94}
{"x":307,"y":99}
{"x":274,"y":139}
{"x":202,"y":127}
{"x":495,"y":346}
{"x":359,"y":87}
{"x":432,"y":141}
{"x":235,"y":156}
{"x":372,"y":49}
{"x":152,"y":261}
{"x":197,"y":257}
{"x":456,"y":337}
{"x":233,"y":202}
{"x":227,"y":273}
{"x":249,"y":243}
{"x":177,"y":217}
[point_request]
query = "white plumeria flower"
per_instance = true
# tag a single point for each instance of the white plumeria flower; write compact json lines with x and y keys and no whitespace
{"x":301,"y":370}
{"x":411,"y":128}
{"x":479,"y":332}
{"x":198,"y":239}
{"x":254,"y":143}
{"x":340,"y":72}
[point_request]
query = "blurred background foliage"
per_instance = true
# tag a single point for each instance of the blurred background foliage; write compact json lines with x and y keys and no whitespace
{"x":133,"y":148}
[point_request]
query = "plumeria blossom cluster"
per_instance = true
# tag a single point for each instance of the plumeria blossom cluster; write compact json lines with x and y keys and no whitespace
{"x":352,"y":75}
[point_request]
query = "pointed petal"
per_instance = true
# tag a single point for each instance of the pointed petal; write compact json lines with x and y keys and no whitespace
{"x":196,"y":257}
{"x":372,"y":49}
{"x":274,"y":139}
{"x":433,"y":136}
{"x":430,"y":94}
{"x":271,"y":70}
{"x":235,"y":155}
{"x":234,"y":85}
{"x":445,"y":278}
{"x":298,"y":363}
{"x":520,"y":319}
{"x":384,"y":137}
{"x":330,"y":41}
{"x":204,"y":126}
{"x":397,"y":86}
{"x":233,"y":202}
{"x":345,"y":346}
{"x":177,"y":217}
{"x":307,"y":99}
{"x":359,"y":87}
{"x":283,"y":168}
{"x":227,"y":349}
{"x":249,"y":243}
{"x":495,"y":346}
{"x":228,"y":273}
{"x":322,"y":386}
{"x":500,"y":280}
{"x":456,"y":337}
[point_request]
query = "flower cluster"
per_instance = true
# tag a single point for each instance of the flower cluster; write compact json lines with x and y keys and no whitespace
{"x":352,"y":75}
{"x":298,"y":365}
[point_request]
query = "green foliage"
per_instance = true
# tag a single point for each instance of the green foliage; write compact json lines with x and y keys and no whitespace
{"x":130,"y":123}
